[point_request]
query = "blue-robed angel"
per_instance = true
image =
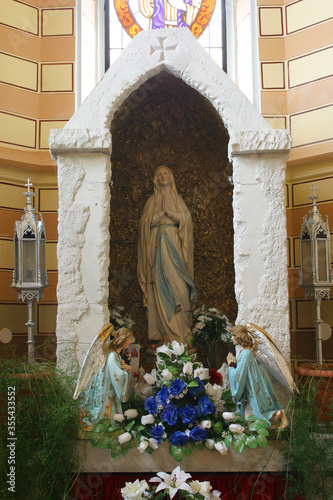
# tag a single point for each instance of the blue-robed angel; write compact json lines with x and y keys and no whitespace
{"x":250,"y":384}
{"x":105,"y":379}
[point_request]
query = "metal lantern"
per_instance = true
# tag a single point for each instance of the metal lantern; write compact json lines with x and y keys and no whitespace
{"x":30,"y":275}
{"x":316,"y":273}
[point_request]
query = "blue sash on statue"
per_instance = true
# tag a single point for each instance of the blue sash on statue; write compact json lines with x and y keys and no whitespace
{"x":168,"y":295}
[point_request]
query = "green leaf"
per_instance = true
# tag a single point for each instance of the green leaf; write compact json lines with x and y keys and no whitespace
{"x":241,"y":438}
{"x":228,"y":440}
{"x":172,"y":369}
{"x":160,"y":366}
{"x":241,"y":420}
{"x":187,"y":448}
{"x":129,"y":426}
{"x":193,"y":383}
{"x":116,"y":452}
{"x":101,"y":441}
{"x":261,"y":440}
{"x":101,"y":426}
{"x":195,"y":366}
{"x":200,"y":446}
{"x":263,"y":431}
{"x":149,"y":450}
{"x":263,"y":422}
{"x":238,"y":445}
{"x":113,"y":443}
{"x":176,"y":452}
{"x":217,"y":427}
{"x":163,"y":356}
{"x":251,"y":442}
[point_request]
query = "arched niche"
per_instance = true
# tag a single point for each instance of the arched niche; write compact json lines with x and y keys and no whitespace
{"x":83,"y":153}
{"x":167,"y":122}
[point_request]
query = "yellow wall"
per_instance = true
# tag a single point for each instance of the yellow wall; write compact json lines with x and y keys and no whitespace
{"x":37,"y":57}
{"x":296,"y":70}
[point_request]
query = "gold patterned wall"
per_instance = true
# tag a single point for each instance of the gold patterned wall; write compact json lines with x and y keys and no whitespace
{"x":165,"y":122}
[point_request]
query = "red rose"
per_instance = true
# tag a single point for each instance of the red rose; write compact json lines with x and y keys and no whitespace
{"x":215,"y":377}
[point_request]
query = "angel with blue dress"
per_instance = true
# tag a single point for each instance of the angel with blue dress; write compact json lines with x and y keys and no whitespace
{"x":105,"y":379}
{"x":250,"y":384}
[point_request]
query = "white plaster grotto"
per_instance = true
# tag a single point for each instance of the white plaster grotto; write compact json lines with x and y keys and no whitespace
{"x":82,"y":151}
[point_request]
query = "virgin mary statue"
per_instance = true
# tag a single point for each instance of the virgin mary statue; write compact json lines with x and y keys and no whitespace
{"x":165,"y":261}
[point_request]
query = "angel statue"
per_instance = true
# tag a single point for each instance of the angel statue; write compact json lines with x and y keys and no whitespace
{"x":165,"y":261}
{"x":104,"y":379}
{"x":250,"y":384}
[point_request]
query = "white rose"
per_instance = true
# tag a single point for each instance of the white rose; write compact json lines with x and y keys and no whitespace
{"x":236,"y":428}
{"x":210,"y":444}
{"x":147,"y":419}
{"x":210,"y":389}
{"x":131,"y":413}
{"x":149,"y":378}
{"x":188,"y":368}
{"x":132,"y":491}
{"x":124,"y":438}
{"x":118,"y":417}
{"x":201,"y":487}
{"x":205,"y":424}
{"x":163,"y":348}
{"x":221,"y":448}
{"x":178,"y":348}
{"x":143,"y":445}
{"x":166,"y":374}
{"x":228,"y":416}
{"x":153,"y":443}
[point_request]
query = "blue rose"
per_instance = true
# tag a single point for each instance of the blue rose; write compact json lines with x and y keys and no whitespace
{"x":157,"y":433}
{"x":196,"y":390}
{"x":179,"y":438}
{"x":198,"y":434}
{"x":170,"y":415}
{"x":177,"y":386}
{"x":206,"y":405}
{"x":162,"y":395}
{"x":151,"y":405}
{"x":187,"y":414}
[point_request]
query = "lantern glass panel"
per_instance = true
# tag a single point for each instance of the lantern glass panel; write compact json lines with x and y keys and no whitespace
{"x":306,"y":261}
{"x":16,"y":262}
{"x":322,"y":262}
{"x":42,"y":259}
{"x":29,"y":261}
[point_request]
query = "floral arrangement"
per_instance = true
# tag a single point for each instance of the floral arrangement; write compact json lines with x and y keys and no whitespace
{"x":170,"y":485}
{"x":184,"y":409}
{"x":211,"y":325}
{"x":119,"y":319}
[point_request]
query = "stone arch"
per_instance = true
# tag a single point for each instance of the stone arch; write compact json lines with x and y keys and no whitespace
{"x":82,"y":152}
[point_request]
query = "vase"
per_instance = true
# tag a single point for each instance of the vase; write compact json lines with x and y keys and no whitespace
{"x":323,"y":377}
{"x":212,"y":350}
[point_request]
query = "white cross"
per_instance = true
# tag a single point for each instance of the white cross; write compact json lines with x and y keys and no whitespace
{"x":28,"y":185}
{"x":313,"y":196}
{"x":161,"y":48}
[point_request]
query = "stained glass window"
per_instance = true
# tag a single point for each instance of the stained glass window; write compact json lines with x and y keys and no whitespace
{"x":204,"y":18}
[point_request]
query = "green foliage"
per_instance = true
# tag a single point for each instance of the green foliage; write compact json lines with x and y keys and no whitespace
{"x":45,"y":424}
{"x":309,"y":454}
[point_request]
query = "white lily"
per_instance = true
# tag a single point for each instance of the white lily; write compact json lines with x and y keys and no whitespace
{"x":178,"y":348}
{"x":153,"y":443}
{"x":172,"y":482}
{"x":163,"y":348}
{"x":203,"y":488}
{"x":143,"y":445}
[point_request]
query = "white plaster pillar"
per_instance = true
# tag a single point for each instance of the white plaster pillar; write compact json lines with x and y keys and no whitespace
{"x":260,"y":254}
{"x":84,"y":174}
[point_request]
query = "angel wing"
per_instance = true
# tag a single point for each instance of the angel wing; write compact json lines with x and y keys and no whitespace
{"x":95,"y":358}
{"x":270,"y":355}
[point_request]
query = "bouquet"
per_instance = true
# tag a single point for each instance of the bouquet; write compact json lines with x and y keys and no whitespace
{"x":170,"y":485}
{"x":211,"y":325}
{"x":184,"y":410}
{"x":119,"y":319}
